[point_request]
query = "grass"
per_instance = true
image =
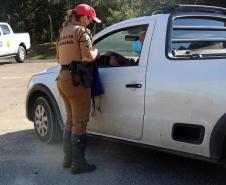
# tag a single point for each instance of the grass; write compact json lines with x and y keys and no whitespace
{"x":44,"y":51}
{"x":5,"y":59}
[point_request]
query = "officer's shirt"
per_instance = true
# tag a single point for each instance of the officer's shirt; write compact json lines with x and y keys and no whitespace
{"x":74,"y":44}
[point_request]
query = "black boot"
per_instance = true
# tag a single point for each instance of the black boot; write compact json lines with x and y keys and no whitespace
{"x":79,"y":163}
{"x":67,"y":149}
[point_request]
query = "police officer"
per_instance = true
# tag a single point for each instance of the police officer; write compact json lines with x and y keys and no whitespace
{"x":75,"y":51}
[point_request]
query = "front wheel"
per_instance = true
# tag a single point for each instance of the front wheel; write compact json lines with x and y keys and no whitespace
{"x":46,"y":125}
{"x":21,"y":55}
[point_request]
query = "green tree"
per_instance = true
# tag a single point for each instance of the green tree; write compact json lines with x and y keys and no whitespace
{"x":33,"y":15}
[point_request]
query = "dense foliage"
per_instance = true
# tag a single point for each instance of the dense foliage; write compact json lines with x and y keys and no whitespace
{"x":35,"y":16}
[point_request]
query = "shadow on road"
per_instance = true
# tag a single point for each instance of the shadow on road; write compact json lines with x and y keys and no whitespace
{"x":4,"y":63}
{"x":27,"y":61}
{"x":22,"y":154}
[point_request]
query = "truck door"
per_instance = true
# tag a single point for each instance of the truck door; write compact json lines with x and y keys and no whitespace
{"x":122,"y":106}
{"x":1,"y":43}
{"x":7,"y":40}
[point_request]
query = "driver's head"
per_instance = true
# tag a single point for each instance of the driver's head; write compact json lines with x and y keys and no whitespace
{"x":142,"y":36}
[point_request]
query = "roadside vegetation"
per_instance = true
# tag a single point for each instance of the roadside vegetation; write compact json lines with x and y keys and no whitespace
{"x":44,"y":51}
{"x":43,"y":18}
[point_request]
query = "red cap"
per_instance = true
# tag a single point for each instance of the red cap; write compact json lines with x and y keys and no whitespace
{"x":84,"y":9}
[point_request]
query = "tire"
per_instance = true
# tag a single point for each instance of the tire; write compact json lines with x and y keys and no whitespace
{"x":21,"y":55}
{"x":46,"y":125}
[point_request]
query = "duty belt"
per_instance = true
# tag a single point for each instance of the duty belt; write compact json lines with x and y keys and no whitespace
{"x":65,"y":67}
{"x":81,"y":70}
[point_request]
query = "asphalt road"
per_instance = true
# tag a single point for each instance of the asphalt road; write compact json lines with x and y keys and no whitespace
{"x":24,"y":160}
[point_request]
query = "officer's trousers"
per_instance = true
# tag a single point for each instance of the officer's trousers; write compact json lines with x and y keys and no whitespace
{"x":77,"y":102}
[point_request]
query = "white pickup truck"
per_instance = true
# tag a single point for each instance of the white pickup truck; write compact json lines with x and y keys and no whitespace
{"x":169,"y":95}
{"x":13,"y":44}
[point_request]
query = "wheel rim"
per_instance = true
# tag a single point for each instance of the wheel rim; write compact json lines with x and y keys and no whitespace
{"x":41,"y":121}
{"x":22,"y":54}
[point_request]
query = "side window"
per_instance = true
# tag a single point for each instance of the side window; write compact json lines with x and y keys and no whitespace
{"x":5,"y":29}
{"x":198,"y":37}
{"x":121,"y":48}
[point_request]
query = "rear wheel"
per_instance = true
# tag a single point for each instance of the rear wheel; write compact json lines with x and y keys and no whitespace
{"x":45,"y":121}
{"x":21,"y":55}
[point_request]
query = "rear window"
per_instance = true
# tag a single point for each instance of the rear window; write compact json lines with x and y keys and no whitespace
{"x":195,"y":37}
{"x":187,"y":21}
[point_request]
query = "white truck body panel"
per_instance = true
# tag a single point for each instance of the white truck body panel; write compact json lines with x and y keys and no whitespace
{"x":123,"y":108}
{"x":181,"y":92}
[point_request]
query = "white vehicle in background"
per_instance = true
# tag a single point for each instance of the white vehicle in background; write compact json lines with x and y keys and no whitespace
{"x":171,"y":96}
{"x":13,"y":44}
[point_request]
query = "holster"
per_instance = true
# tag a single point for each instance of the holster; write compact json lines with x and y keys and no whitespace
{"x":81,"y":73}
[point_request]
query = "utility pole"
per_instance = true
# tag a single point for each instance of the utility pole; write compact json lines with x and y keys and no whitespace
{"x":133,"y":7}
{"x":196,"y":1}
{"x":124,"y":7}
{"x":51,"y":28}
{"x":9,"y":19}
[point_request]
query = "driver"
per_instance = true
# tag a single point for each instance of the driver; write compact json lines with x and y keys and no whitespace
{"x":116,"y":59}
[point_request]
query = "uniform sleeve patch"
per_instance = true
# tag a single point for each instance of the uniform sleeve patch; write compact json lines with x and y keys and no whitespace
{"x":88,"y":41}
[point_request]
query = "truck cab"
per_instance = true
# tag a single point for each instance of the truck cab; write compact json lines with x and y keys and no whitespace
{"x":6,"y":45}
{"x":13,"y":45}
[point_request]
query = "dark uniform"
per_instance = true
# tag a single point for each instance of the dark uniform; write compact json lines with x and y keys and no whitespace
{"x":74,"y":44}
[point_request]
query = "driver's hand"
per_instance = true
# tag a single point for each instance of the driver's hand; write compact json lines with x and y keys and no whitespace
{"x":108,"y":53}
{"x":98,"y":54}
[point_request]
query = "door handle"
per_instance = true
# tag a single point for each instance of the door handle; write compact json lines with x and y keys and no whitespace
{"x":133,"y":85}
